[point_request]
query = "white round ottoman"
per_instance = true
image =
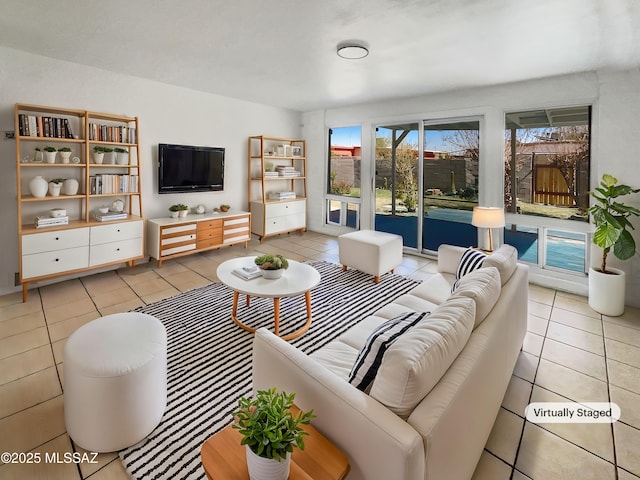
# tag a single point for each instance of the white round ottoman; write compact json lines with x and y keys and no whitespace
{"x":115,"y":381}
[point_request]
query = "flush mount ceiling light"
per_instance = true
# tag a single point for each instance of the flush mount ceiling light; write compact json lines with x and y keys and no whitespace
{"x":352,"y":50}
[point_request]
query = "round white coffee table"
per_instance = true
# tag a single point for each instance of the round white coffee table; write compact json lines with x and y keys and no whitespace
{"x":299,"y":278}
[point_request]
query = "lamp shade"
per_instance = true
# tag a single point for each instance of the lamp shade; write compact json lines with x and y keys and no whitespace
{"x":488,"y":217}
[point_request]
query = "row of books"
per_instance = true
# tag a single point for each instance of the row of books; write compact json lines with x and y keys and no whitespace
{"x":286,"y":171}
{"x":282,"y":195}
{"x":113,"y":183}
{"x":110,"y":133}
{"x":110,"y":216}
{"x":39,"y":126}
{"x":43,"y":222}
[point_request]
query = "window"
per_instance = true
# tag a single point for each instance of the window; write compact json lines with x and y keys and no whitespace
{"x":547,"y":162}
{"x":546,"y":197}
{"x":345,"y":144}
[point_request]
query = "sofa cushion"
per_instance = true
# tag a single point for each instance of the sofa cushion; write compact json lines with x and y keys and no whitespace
{"x":505,"y":259}
{"x":416,"y":361}
{"x":483,"y":287}
{"x":470,"y":261}
{"x":370,"y":357}
{"x":435,"y":289}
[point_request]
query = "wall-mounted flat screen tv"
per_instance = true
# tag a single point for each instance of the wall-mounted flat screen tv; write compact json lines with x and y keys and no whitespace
{"x":187,"y":168}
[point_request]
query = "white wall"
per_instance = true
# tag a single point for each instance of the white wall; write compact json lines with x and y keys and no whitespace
{"x":167,"y":114}
{"x":615,"y":142}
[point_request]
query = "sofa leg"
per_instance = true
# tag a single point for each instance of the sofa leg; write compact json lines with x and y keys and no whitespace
{"x":344,"y":268}
{"x":376,"y":279}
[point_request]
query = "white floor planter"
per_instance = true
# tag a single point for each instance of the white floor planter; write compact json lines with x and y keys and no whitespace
{"x":266,"y":468}
{"x":607,"y":291}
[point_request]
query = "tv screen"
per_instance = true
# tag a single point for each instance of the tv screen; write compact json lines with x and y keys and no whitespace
{"x":186,"y":168}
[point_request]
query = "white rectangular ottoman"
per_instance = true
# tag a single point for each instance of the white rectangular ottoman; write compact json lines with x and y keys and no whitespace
{"x":369,"y":251}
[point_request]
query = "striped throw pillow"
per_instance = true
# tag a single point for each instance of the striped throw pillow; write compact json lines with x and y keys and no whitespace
{"x":471,"y":260}
{"x":370,"y":357}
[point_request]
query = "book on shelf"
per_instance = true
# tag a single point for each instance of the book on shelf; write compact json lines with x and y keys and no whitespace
{"x":247,"y":273}
{"x":107,"y":217}
{"x":41,"y":126}
{"x":42,"y":222}
{"x":269,"y":174}
{"x":282,"y":195}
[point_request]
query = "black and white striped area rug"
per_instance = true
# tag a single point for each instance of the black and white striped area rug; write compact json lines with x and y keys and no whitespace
{"x":209,"y":358}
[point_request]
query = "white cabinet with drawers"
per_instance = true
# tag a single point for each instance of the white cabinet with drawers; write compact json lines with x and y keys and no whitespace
{"x":174,"y":237}
{"x":115,"y":242}
{"x":50,"y":253}
{"x":274,"y":218}
{"x":68,"y":250}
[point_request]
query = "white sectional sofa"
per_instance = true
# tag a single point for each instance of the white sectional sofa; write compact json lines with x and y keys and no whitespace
{"x":429,"y":411}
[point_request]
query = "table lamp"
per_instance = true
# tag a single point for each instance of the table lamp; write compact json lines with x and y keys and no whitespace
{"x":488,"y":217}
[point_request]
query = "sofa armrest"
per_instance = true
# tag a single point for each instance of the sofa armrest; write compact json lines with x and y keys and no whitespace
{"x":378,"y":443}
{"x":449,"y":257}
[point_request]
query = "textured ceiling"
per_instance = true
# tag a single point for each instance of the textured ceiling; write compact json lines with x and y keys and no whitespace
{"x":282,"y":52}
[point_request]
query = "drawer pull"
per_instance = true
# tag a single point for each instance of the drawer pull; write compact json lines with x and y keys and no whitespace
{"x":57,"y":259}
{"x":57,"y":238}
{"x":118,"y":230}
{"x":117,"y":249}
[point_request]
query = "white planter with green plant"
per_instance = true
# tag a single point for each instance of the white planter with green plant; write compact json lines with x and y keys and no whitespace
{"x":272,"y":266}
{"x":55,"y":186}
{"x":179,"y":210}
{"x":65,"y":154}
{"x":97,"y":154}
{"x":611,"y":219}
{"x":50,"y":154}
{"x":122,"y":156}
{"x":270,"y":431}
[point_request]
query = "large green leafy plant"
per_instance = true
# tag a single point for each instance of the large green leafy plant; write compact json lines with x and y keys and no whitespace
{"x":611,"y":219}
{"x":268,"y":426}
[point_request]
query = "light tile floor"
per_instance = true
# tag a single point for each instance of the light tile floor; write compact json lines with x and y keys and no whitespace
{"x":570,"y":353}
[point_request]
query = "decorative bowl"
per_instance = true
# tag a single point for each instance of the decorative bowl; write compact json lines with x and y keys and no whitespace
{"x":103,"y":209}
{"x":58,"y":212}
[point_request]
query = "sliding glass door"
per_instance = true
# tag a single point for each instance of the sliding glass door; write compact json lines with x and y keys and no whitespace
{"x":396,"y":181}
{"x":450,"y":164}
{"x":426,"y":181}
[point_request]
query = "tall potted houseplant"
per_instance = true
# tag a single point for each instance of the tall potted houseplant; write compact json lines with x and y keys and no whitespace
{"x":270,"y":431}
{"x":611,"y":219}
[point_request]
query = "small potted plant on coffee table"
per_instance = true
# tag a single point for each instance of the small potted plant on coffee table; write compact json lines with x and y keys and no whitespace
{"x":270,"y":431}
{"x":272,"y":266}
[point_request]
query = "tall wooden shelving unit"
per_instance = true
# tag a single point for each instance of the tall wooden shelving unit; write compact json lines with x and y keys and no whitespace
{"x":84,"y":243}
{"x":273,"y":216}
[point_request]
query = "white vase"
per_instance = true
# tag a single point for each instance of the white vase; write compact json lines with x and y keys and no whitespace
{"x":110,"y":158}
{"x":38,"y":157}
{"x":122,"y":158}
{"x":50,"y":157}
{"x":38,"y":187}
{"x":261,"y":468}
{"x":182,"y":213}
{"x":65,"y":156}
{"x":98,"y":157}
{"x":272,"y":274}
{"x":70,"y":186}
{"x":54,"y":189}
{"x":174,"y":214}
{"x":607,"y":291}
